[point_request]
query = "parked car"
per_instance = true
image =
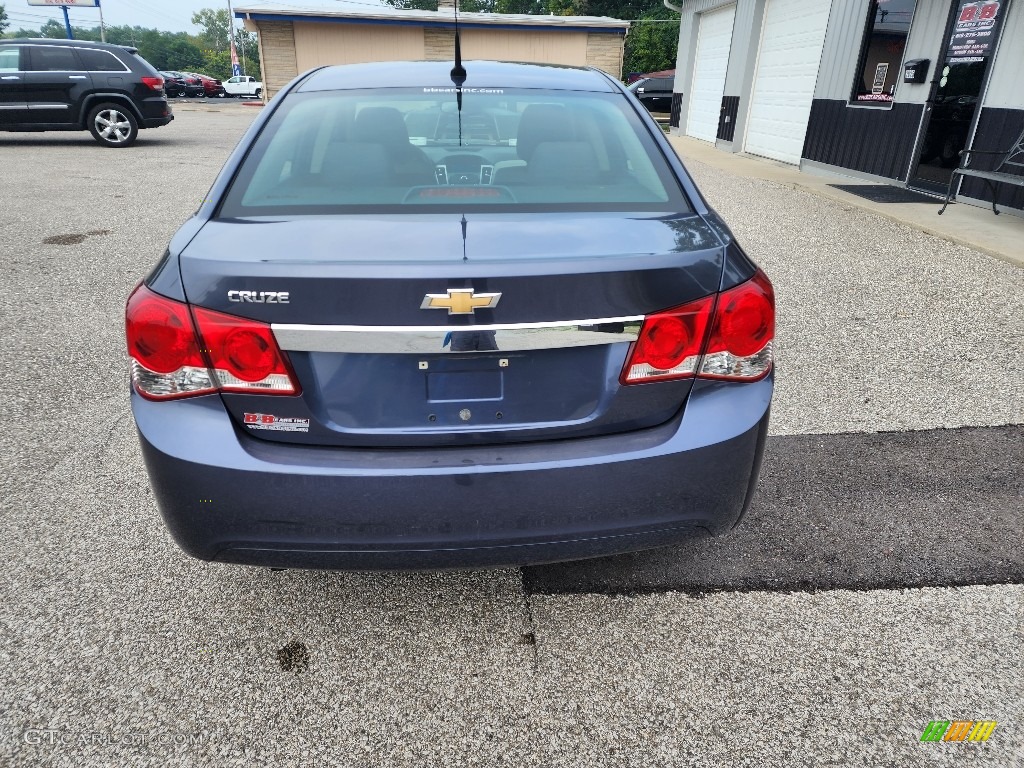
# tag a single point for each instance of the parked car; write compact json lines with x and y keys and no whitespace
{"x":243,"y":85}
{"x":211,"y":86}
{"x":185,"y":84}
{"x":655,"y":93}
{"x":174,"y":84}
{"x":72,"y":85}
{"x":375,"y":350}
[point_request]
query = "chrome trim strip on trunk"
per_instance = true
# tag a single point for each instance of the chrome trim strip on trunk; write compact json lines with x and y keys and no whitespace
{"x":433,"y":339}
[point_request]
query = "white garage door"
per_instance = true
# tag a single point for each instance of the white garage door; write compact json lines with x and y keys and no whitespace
{"x":787,"y":67}
{"x":714,"y":36}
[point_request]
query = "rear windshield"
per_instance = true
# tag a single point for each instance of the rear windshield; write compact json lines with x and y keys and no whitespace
{"x":395,"y":150}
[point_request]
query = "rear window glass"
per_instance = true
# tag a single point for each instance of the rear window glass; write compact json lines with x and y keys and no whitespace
{"x":100,"y":61}
{"x":398,"y":150}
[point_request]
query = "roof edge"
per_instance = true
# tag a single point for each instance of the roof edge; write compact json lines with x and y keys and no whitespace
{"x":435,"y":18}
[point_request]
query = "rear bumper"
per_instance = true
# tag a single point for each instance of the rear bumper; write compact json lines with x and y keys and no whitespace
{"x":156,"y":122}
{"x":230,"y":497}
{"x":156,"y":111}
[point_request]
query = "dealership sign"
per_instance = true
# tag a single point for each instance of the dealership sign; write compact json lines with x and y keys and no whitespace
{"x":81,"y":3}
{"x":975,"y":31}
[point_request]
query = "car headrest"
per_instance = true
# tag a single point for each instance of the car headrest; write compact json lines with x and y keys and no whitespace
{"x":540,"y":123}
{"x":349,"y":163}
{"x":380,"y":125}
{"x":563,"y":162}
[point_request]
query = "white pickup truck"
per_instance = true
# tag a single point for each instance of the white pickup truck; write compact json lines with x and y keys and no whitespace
{"x":243,"y":85}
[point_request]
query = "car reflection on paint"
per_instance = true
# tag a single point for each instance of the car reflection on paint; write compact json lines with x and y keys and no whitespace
{"x":522,"y":339}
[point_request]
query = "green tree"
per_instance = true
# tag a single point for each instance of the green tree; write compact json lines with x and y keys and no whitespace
{"x":653,"y":42}
{"x":521,"y":6}
{"x":3,"y":19}
{"x":416,"y":5}
{"x":215,"y":25}
{"x":54,"y":29}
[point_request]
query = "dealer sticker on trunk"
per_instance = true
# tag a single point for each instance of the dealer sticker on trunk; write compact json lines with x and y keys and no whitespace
{"x":275,"y":423}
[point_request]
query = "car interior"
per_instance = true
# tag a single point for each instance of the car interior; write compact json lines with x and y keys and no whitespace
{"x":349,"y":148}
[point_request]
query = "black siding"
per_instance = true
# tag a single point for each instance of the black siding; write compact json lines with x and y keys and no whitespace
{"x":997,"y":130}
{"x":727,"y":117}
{"x":875,"y":141}
{"x":677,"y":104}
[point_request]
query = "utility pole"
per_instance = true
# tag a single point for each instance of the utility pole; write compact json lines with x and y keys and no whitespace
{"x":103,"y":27}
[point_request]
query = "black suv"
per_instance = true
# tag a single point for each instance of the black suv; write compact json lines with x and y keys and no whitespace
{"x":655,"y":93}
{"x":73,"y":85}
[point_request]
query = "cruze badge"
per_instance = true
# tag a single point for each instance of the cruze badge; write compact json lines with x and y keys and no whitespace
{"x":259,"y":297}
{"x":460,"y":301}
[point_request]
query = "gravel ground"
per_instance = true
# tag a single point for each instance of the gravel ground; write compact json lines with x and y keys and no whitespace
{"x":880,"y":327}
{"x":115,"y":647}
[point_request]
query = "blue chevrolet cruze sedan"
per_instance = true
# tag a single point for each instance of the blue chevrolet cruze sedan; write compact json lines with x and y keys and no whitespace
{"x":417,"y":324}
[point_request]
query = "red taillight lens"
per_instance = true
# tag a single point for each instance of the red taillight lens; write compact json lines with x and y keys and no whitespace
{"x":244,"y":354}
{"x":669,"y":344}
{"x":740,"y":345}
{"x":166,"y":361}
{"x":738,"y":326}
{"x":155,"y":83}
{"x":237,"y":354}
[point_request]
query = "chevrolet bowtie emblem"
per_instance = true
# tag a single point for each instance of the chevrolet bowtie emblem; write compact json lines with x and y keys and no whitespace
{"x":460,"y":301}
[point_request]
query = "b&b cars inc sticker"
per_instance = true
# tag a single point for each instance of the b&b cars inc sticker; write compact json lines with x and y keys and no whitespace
{"x":275,"y":423}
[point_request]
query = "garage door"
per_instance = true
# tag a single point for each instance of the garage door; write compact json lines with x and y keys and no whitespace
{"x":714,"y":37}
{"x":787,"y":67}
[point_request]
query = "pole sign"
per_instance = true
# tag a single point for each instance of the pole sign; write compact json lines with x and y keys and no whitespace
{"x":76,"y":3}
{"x":975,"y":31}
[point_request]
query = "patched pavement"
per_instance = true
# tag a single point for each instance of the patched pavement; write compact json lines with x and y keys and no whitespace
{"x":874,"y":587}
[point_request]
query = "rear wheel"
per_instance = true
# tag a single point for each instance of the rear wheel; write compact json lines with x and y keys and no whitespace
{"x":113,"y":125}
{"x":259,"y":93}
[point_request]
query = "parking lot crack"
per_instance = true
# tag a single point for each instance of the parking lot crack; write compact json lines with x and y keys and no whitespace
{"x":529,"y":633}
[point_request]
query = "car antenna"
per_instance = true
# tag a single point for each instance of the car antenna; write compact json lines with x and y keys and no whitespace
{"x":458,"y":71}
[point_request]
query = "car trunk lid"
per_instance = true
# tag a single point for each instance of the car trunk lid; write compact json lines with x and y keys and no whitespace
{"x":381,"y":364}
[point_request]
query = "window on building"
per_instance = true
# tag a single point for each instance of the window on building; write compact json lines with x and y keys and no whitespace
{"x":881,"y":55}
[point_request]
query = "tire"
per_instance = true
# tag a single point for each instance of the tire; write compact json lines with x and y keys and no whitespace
{"x":259,"y":93}
{"x":113,"y":125}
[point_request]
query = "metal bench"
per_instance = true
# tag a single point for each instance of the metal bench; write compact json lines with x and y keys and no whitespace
{"x":1011,"y":158}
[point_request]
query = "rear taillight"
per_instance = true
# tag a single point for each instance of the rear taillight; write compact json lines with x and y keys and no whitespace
{"x":738,"y":344}
{"x":154,"y":83}
{"x":670,"y":343}
{"x":243,"y":354}
{"x":168,"y":360}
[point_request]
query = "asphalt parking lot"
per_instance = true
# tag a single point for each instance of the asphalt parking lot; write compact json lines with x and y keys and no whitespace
{"x":875,"y":586}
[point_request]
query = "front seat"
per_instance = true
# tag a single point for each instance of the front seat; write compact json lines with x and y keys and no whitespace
{"x":540,"y":124}
{"x":410,"y":165}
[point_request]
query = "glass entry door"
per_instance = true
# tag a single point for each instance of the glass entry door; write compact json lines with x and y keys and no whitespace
{"x":956,"y":90}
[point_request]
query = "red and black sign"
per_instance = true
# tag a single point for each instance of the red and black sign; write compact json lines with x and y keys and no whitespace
{"x":975,"y":31}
